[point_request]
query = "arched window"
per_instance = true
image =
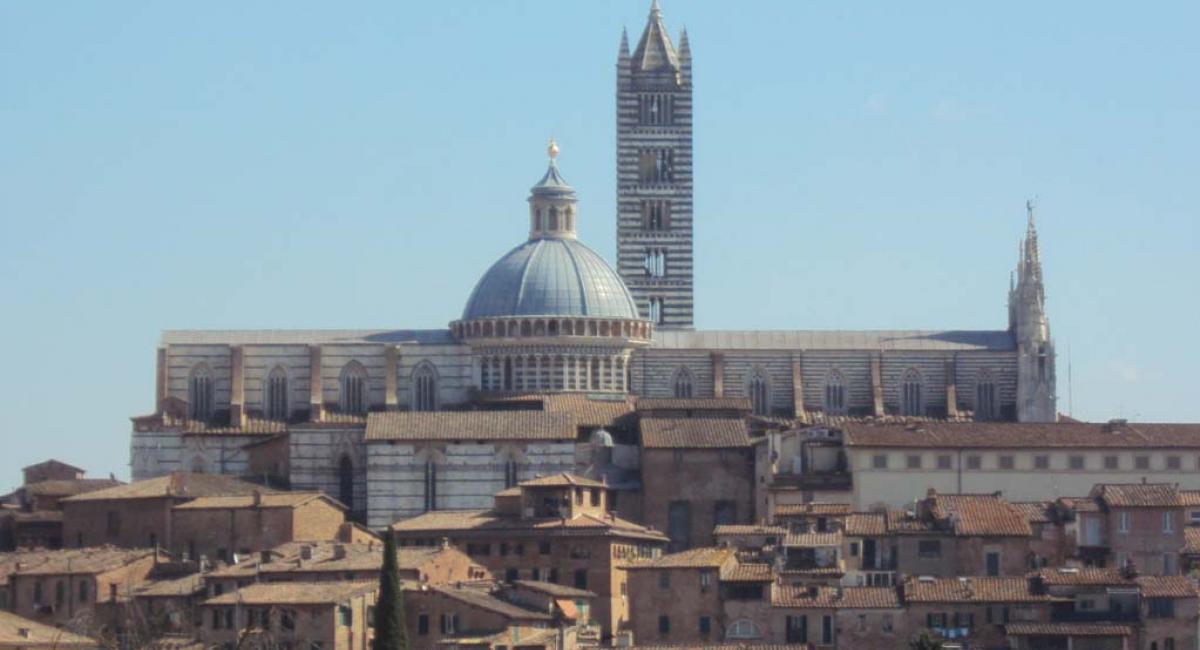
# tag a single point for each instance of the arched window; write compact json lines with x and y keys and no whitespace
{"x":200,"y":393}
{"x":510,"y":469}
{"x":683,"y":383}
{"x":353,"y":384}
{"x":835,"y":393}
{"x":759,"y":390}
{"x":346,"y":482}
{"x":910,"y":393}
{"x":985,"y":396}
{"x":424,"y":387}
{"x":430,"y":486}
{"x":275,"y":395}
{"x":744,"y":629}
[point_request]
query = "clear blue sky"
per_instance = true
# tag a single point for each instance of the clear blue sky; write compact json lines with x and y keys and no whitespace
{"x":268,"y":165}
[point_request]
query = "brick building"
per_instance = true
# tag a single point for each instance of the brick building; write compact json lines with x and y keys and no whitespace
{"x":1140,"y":524}
{"x":138,"y":515}
{"x":697,"y":473}
{"x":326,"y":615}
{"x":554,"y":529}
{"x":59,"y":586}
{"x":219,"y":526}
{"x":18,"y":633}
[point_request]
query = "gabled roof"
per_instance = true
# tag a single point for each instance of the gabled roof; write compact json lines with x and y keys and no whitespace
{"x":813,"y":540}
{"x":1166,"y":586}
{"x":562,"y":480}
{"x":52,"y":462}
{"x":488,"y":523}
{"x":265,"y":501}
{"x":695,"y":558}
{"x":694,"y":433}
{"x":295,"y":593}
{"x":1022,"y":435}
{"x":823,"y":597}
{"x":980,"y":515}
{"x":470,"y":425}
{"x":747,"y":572}
{"x":68,"y":487}
{"x":866,"y":524}
{"x":1138,"y":495}
{"x":75,"y":561}
{"x":1013,"y":589}
{"x":486,"y":601}
{"x":180,"y":485}
{"x":1083,"y":576}
{"x":18,"y":632}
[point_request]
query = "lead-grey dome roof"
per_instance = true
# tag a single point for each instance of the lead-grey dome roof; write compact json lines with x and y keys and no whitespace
{"x":551,"y":277}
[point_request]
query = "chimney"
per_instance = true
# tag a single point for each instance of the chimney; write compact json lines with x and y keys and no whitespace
{"x":306,"y":552}
{"x":25,"y":633}
{"x":264,"y":557}
{"x":339,"y":552}
{"x":257,"y":498}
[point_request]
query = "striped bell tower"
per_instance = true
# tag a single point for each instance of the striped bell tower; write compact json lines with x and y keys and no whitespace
{"x":654,"y":174}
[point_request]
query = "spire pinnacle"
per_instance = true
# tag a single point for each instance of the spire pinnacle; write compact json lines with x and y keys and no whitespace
{"x":624,"y":48}
{"x":654,"y":51}
{"x":552,"y":150}
{"x":654,"y":10}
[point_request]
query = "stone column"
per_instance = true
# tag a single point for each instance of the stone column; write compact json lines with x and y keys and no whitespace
{"x":877,"y":384}
{"x":391,"y":367}
{"x":718,"y":368}
{"x":798,"y":384}
{"x":316,"y":392}
{"x":237,"y":387}
{"x":951,"y":387}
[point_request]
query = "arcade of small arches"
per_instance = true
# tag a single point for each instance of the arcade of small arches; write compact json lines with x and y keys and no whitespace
{"x":508,"y":328}
{"x":538,"y":372}
{"x":553,"y":219}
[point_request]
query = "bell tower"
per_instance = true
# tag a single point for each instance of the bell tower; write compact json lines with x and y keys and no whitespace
{"x":654,"y":174}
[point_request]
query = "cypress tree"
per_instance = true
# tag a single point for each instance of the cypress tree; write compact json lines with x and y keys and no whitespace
{"x":391,"y":633}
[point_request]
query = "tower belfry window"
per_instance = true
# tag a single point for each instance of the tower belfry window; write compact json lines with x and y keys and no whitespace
{"x":656,"y":262}
{"x":656,"y":214}
{"x":656,"y":310}
{"x":656,"y":109}
{"x":657,"y":166}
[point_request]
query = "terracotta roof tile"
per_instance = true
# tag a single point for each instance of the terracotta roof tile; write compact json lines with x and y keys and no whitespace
{"x":179,"y":485}
{"x":554,"y":589}
{"x":696,"y":558}
{"x":295,"y":593}
{"x":1191,"y":540}
{"x":1035,"y":512}
{"x":746,"y":572}
{"x":562,"y":480}
{"x":693,"y":433}
{"x":866,"y":524}
{"x":809,"y":540}
{"x":65,"y":488}
{"x":89,"y":560}
{"x":1138,"y":495}
{"x":823,"y":597}
{"x":188,"y":585}
{"x":1189,"y":497}
{"x":1025,"y":435}
{"x":980,"y":515}
{"x":18,"y":632}
{"x":1166,"y":586}
{"x":487,"y":522}
{"x":265,"y":501}
{"x":1067,"y":629}
{"x":693,"y":404}
{"x":1014,"y":589}
{"x":814,"y":508}
{"x":1083,"y":576}
{"x":748,"y":529}
{"x":470,"y":425}
{"x":586,"y":410}
{"x":489,"y":602}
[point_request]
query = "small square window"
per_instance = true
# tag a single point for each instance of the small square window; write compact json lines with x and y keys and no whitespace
{"x":1112,"y":462}
{"x":1076,"y":462}
{"x":1174,"y":463}
{"x":974,"y":462}
{"x":1041,"y":462}
{"x":944,"y":461}
{"x":879,"y":461}
{"x":913,"y":461}
{"x":1141,"y":462}
{"x":1007,"y":462}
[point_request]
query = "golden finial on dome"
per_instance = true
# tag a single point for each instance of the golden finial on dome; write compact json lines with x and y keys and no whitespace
{"x":552,"y":150}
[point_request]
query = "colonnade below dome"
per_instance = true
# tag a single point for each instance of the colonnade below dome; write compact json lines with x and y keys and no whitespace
{"x":542,"y":327}
{"x":554,"y":372}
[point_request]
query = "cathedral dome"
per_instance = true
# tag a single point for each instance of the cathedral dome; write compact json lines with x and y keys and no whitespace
{"x":551,"y":276}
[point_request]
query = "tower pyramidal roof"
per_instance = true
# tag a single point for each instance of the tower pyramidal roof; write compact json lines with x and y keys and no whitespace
{"x":654,"y":51}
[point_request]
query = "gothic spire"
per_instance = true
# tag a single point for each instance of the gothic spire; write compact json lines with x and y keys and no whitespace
{"x":623,"y":54}
{"x":654,"y":51}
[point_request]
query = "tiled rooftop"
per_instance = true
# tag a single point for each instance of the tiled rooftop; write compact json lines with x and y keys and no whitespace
{"x":486,"y":601}
{"x":823,"y":597}
{"x":1025,"y":435}
{"x":695,"y":558}
{"x":490,"y":523}
{"x":811,"y":540}
{"x":1138,"y":495}
{"x":980,"y":515}
{"x":295,"y":593}
{"x":1014,"y":589}
{"x":562,"y":480}
{"x":18,"y":632}
{"x":179,"y":485}
{"x":1067,"y":629}
{"x":693,"y":433}
{"x":747,"y":572}
{"x":90,"y":560}
{"x":693,"y":404}
{"x":820,"y":509}
{"x":554,"y":589}
{"x":265,"y":501}
{"x":748,"y":529}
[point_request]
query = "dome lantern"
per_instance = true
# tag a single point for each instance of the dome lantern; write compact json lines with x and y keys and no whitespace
{"x":552,"y":203}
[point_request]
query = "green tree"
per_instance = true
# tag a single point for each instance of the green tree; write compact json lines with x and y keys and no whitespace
{"x":391,"y":632}
{"x":924,"y":641}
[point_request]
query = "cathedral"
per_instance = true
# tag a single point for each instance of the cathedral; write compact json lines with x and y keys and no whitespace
{"x":556,"y":352}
